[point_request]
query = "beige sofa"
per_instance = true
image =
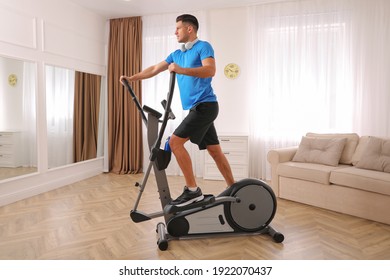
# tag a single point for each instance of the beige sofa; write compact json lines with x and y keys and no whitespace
{"x":340,"y":172}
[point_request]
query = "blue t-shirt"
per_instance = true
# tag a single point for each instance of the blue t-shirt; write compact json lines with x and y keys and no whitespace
{"x":193,"y":90}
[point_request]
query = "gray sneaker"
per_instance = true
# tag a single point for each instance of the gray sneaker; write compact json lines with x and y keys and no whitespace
{"x":188,"y":197}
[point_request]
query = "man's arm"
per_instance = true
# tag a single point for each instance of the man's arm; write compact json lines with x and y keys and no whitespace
{"x":207,"y":69}
{"x":148,"y":72}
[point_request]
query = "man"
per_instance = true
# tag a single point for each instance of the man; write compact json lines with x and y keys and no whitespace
{"x":194,"y":65}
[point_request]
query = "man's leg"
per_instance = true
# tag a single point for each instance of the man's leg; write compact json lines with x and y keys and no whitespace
{"x":191,"y":192}
{"x":183,"y":159}
{"x":223,"y":165}
{"x":194,"y":127}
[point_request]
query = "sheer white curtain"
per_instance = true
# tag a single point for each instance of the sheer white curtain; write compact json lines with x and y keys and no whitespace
{"x":159,"y":41}
{"x":371,"y":67}
{"x":59,"y":108}
{"x":29,"y":135}
{"x":316,"y":66}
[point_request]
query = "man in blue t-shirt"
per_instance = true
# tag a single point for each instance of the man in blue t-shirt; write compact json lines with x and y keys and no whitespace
{"x":194,"y":65}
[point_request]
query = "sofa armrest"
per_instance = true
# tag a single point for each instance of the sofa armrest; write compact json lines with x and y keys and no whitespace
{"x":275,"y":157}
{"x":281,"y":155}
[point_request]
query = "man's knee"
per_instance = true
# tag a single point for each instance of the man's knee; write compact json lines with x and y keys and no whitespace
{"x":214,"y":150}
{"x":176,"y":142}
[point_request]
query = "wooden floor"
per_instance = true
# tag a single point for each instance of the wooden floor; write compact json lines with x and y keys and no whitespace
{"x":90,"y":220}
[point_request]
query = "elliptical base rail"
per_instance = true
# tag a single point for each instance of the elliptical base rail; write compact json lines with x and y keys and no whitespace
{"x":164,"y":237}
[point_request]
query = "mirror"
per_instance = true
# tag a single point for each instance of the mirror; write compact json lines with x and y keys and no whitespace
{"x":73,"y":108}
{"x":18,"y":154}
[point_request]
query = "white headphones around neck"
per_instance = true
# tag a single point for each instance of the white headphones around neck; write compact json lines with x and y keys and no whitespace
{"x":188,"y":45}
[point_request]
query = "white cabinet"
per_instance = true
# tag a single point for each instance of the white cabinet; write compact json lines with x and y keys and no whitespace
{"x":235,"y":149}
{"x":10,"y":149}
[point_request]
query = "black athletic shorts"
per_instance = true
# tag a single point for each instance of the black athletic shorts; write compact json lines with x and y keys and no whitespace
{"x":198,"y":125}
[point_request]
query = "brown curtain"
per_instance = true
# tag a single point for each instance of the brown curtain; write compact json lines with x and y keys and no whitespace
{"x":124,"y":122}
{"x":86,"y":115}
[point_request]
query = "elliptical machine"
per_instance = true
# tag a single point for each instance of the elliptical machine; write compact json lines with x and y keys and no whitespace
{"x":246,"y":208}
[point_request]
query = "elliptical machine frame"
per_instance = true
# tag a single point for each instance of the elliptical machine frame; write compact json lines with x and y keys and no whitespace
{"x":246,"y":208}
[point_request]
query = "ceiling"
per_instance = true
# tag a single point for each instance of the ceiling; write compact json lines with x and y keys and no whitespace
{"x":129,"y":8}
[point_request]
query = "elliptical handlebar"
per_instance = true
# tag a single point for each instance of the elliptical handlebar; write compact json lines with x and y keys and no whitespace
{"x":167,"y":108}
{"x":167,"y":113}
{"x":166,"y":104}
{"x":135,"y":99}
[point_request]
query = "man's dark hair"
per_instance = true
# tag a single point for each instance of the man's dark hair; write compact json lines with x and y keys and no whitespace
{"x":190,"y":19}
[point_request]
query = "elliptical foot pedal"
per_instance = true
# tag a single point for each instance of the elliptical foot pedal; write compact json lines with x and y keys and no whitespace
{"x":138,"y":217}
{"x":208,"y":199}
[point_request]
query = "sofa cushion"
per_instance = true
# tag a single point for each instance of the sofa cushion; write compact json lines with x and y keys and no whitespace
{"x":350,"y":145}
{"x":376,"y":155}
{"x":369,"y":180}
{"x":357,"y":155}
{"x":307,"y":171}
{"x":320,"y":150}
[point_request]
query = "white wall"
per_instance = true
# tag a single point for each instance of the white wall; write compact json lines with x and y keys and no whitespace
{"x":53,"y":32}
{"x":57,"y":33}
{"x":228,"y":36}
{"x":11,"y":101}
